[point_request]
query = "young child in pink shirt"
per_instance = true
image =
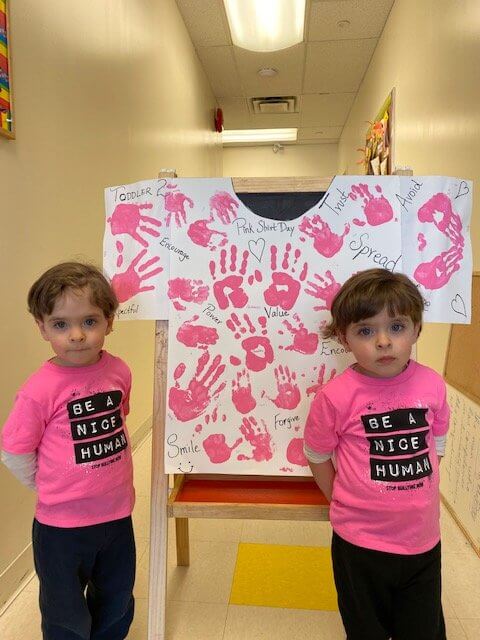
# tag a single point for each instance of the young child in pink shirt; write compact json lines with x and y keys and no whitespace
{"x":373,"y":439}
{"x":66,"y":438}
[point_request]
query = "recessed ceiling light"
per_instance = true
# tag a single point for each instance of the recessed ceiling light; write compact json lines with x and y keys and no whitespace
{"x":231,"y":136}
{"x":265,"y":25}
{"x":343,"y":24}
{"x":267,"y":72}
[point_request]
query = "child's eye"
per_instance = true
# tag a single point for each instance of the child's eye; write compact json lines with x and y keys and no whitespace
{"x":365,"y":331}
{"x":397,"y":327}
{"x":90,"y":322}
{"x":60,"y":324}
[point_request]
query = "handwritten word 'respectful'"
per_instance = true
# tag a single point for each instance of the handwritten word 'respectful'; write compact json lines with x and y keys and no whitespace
{"x":131,"y":310}
{"x":262,"y":226}
{"x":165,"y":242}
{"x":361,"y":248}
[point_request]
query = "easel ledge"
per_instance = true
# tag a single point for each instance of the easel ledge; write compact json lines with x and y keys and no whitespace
{"x":259,"y":497}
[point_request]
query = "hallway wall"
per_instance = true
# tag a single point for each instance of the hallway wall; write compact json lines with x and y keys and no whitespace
{"x":292,"y":160}
{"x":105,"y":93}
{"x":429,"y":52}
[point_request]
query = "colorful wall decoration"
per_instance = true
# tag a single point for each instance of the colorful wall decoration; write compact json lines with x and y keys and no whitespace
{"x":6,"y":109}
{"x":377,"y":154}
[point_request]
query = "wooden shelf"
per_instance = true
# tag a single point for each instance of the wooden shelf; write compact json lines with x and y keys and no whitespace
{"x":263,"y":498}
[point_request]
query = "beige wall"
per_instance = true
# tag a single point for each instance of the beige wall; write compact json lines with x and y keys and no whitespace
{"x":430,"y":52}
{"x":293,"y":160}
{"x":105,"y":93}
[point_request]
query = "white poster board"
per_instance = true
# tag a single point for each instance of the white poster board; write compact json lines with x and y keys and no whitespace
{"x":246,"y":296}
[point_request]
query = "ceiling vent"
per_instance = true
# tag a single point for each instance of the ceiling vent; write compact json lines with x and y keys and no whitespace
{"x":273,"y":105}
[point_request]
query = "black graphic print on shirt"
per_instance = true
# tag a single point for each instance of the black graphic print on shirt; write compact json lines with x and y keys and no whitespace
{"x":387,"y":444}
{"x":91,"y":419}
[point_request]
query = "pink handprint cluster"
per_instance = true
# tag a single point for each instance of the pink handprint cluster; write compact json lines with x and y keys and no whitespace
{"x":437,"y":272}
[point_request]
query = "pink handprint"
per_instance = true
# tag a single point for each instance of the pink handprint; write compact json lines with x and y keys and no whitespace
{"x":284,"y":290}
{"x":295,"y":453}
{"x":242,"y":397}
{"x":437,"y":273}
{"x":321,"y":380}
{"x":126,"y":218}
{"x":191,"y":402}
{"x":128,"y":283}
{"x":326,"y":290}
{"x":224,"y":206}
{"x":217,"y":448}
{"x":324,"y":241}
{"x":200,"y":234}
{"x":229,"y":290}
{"x":188,"y":291}
{"x":304,"y":341}
{"x":196,"y":335}
{"x":288,"y":393}
{"x":449,"y":223}
{"x":377,"y":209}
{"x":258,"y":349}
{"x":213,"y":417}
{"x":175,"y":206}
{"x":259,"y":439}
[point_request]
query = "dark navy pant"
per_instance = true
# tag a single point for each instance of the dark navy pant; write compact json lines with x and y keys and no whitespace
{"x":86,"y":580}
{"x":388,"y":595}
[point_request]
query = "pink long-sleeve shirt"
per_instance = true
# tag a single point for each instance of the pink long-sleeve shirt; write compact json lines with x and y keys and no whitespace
{"x":74,"y":419}
{"x":381,"y":430}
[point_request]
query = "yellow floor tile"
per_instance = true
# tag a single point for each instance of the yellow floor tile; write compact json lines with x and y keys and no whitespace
{"x":284,"y":576}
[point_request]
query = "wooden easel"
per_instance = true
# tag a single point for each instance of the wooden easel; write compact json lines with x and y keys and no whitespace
{"x":215,"y":496}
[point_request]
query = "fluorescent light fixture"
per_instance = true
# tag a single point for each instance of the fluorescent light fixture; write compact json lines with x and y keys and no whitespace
{"x":236,"y":136}
{"x":265,"y":25}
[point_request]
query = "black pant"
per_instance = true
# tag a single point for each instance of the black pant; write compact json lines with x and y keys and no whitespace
{"x":388,"y":595}
{"x":86,"y":580}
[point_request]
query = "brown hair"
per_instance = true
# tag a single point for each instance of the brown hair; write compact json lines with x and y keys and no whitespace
{"x":369,"y":292}
{"x":51,"y":285}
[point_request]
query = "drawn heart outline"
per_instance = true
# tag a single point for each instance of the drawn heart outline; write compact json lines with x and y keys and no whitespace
{"x":463,"y":189}
{"x":256,"y":248}
{"x":458,"y":305}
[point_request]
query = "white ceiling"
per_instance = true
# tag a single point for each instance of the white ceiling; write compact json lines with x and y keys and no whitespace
{"x":324,"y":72}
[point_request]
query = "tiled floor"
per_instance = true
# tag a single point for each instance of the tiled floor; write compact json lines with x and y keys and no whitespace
{"x":198,"y":596}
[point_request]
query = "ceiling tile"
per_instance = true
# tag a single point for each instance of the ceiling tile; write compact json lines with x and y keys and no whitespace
{"x":288,"y":62}
{"x":206,"y":22}
{"x":319,"y":133}
{"x":328,"y":110}
{"x":274,"y":121}
{"x":235,"y":113}
{"x":367,"y":19}
{"x":221,"y":70}
{"x":337,"y":66}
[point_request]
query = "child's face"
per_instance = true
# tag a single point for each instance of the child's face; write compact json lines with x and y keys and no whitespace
{"x":76,"y":329}
{"x":381,"y":344}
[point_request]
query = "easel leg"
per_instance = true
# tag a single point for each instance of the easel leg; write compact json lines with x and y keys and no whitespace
{"x":183,"y":545}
